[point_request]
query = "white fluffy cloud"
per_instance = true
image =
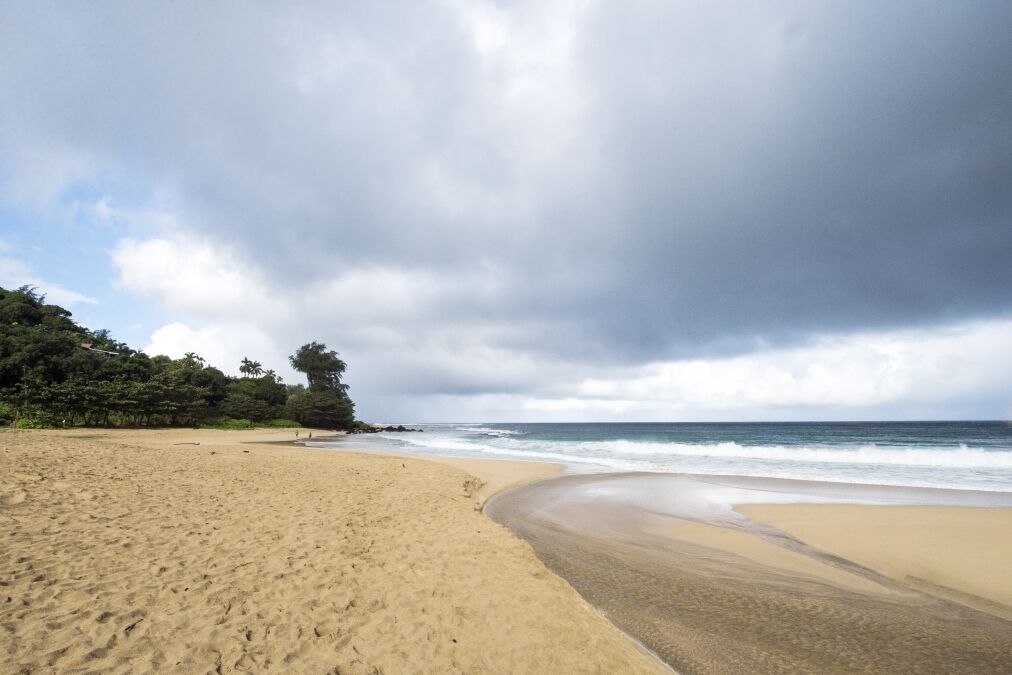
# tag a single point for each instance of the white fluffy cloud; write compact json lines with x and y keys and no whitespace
{"x":15,"y":273}
{"x":195,"y":276}
{"x":224,"y":345}
{"x":380,"y":317}
{"x":857,"y":371}
{"x":400,"y":360}
{"x":201,"y":278}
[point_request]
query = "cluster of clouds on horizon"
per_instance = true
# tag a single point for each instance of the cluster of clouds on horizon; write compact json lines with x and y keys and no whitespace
{"x":542,"y":211}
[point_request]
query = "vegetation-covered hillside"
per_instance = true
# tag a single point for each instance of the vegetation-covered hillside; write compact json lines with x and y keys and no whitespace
{"x":54,"y":372}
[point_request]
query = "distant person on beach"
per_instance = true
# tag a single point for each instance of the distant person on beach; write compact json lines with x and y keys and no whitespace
{"x":310,"y":435}
{"x":296,"y":434}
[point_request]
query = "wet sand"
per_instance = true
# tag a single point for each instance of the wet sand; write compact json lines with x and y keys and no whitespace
{"x":670,"y":560}
{"x":218,"y":552}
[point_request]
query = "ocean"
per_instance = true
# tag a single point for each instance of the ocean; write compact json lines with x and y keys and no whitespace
{"x":960,"y":455}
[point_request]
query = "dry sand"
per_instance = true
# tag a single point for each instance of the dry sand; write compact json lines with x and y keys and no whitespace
{"x":125,"y":552}
{"x":959,"y":552}
{"x":494,"y":475}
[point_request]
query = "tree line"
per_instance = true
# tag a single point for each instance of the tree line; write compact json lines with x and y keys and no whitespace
{"x":54,"y":372}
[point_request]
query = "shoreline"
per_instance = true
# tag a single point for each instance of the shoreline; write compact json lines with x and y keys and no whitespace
{"x":496,"y":475}
{"x":726,"y":541}
{"x":763,"y":523}
{"x":770,"y":514}
{"x":589,"y":468}
{"x":745,"y":518}
{"x":676,"y":562}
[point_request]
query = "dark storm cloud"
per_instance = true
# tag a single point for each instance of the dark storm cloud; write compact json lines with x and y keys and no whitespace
{"x":662,"y":180}
{"x":857,"y":178}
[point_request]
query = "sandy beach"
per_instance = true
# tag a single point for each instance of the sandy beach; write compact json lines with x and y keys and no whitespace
{"x":961,"y":553}
{"x":209,"y":551}
{"x":716,"y":584}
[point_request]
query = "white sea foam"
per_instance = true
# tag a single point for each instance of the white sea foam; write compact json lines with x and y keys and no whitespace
{"x":488,"y":431}
{"x":456,"y":446}
{"x":959,"y":456}
{"x":953,"y":466}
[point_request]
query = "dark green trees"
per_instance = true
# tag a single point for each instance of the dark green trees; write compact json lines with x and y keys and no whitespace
{"x":251,"y":368}
{"x":325,"y":403}
{"x":54,"y":372}
{"x":325,"y":409}
{"x":323,"y":368}
{"x":255,"y":398}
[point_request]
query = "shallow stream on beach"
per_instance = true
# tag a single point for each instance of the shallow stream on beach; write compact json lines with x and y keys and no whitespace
{"x":669,"y":560}
{"x":649,"y":526}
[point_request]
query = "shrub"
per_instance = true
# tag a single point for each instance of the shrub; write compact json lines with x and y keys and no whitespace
{"x":244,"y":407}
{"x":279,"y":424}
{"x":228,"y":424}
{"x":327,"y":409}
{"x":37,"y":419}
{"x":6,"y":413}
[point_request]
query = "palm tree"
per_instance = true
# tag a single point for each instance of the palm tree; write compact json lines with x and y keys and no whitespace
{"x":251,"y":368}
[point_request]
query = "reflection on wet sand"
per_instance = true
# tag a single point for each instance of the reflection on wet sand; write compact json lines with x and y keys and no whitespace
{"x":670,"y":561}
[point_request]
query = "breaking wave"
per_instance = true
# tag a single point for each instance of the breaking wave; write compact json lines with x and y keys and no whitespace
{"x":930,"y":461}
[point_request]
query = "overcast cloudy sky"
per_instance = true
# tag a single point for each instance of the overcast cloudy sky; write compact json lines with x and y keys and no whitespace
{"x":568,"y":210}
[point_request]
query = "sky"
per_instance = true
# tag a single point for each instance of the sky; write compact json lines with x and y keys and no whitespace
{"x":530,"y":211}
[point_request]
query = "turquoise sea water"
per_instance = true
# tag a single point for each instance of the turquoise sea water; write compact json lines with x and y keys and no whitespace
{"x":965,"y":455}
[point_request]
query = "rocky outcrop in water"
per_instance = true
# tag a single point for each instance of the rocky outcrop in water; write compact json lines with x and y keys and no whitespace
{"x":377,"y":429}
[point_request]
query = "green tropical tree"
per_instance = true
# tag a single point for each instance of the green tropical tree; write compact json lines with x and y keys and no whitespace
{"x":251,"y":368}
{"x":54,"y":372}
{"x":323,"y":367}
{"x":326,"y":402}
{"x":328,"y":409}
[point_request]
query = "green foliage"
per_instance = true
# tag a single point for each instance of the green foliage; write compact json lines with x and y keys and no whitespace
{"x":280,"y":424}
{"x":55,"y":373}
{"x":244,"y":406}
{"x":327,"y":409}
{"x":325,"y":403}
{"x":7,"y":411}
{"x":323,"y":368}
{"x":251,"y":368}
{"x":227,"y":424}
{"x":37,"y":420}
{"x":230,"y":423}
{"x":266,"y":388}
